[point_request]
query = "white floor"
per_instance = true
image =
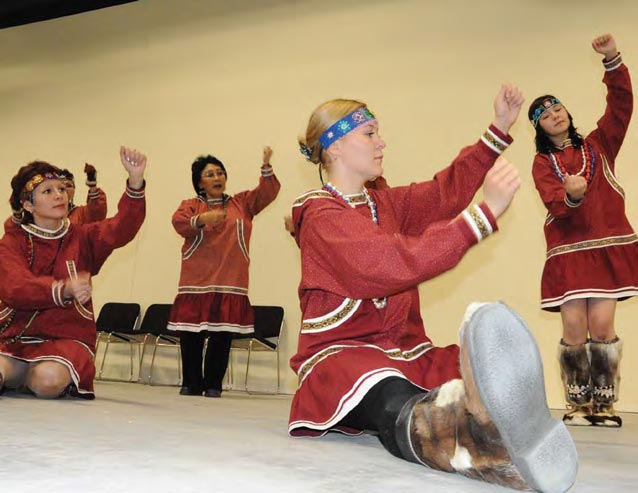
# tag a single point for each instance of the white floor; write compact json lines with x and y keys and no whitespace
{"x":140,"y":438}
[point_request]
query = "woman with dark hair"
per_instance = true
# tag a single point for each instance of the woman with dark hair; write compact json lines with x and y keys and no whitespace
{"x":212,"y":297}
{"x":94,"y":210}
{"x":47,"y":328}
{"x":364,"y":360}
{"x":591,"y":247}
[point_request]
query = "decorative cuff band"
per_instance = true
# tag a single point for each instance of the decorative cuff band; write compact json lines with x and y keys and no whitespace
{"x":56,"y":292}
{"x":494,"y":141}
{"x":94,"y":195}
{"x":479,"y":222}
{"x":572,"y":203}
{"x":136,"y":194}
{"x":267,"y":171}
{"x":194,"y":223}
{"x":91,"y":183}
{"x":613,"y":64}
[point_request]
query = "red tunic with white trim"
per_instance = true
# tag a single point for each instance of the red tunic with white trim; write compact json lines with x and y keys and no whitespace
{"x":591,"y":247}
{"x":213,"y":285}
{"x":94,"y":210}
{"x":349,"y":264}
{"x":36,"y":322}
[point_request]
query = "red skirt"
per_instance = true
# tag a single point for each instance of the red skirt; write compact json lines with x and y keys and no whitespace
{"x":336,"y":383}
{"x":610,"y":272}
{"x":75,"y":355}
{"x":215,"y":312}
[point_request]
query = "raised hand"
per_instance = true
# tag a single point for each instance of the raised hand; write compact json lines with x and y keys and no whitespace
{"x":507,"y":106}
{"x":79,"y":288}
{"x":501,"y":183}
{"x":267,"y":155}
{"x":91,"y":172}
{"x":605,"y":45}
{"x":289,"y":224}
{"x":575,"y":186}
{"x":135,"y":163}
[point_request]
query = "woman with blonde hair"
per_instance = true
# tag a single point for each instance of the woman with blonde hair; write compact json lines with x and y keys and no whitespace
{"x":364,"y":361}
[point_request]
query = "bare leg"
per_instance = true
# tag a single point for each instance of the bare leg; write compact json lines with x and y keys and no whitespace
{"x":600,"y":319}
{"x":573,"y":357}
{"x":574,"y":316}
{"x":605,"y":353}
{"x":13,"y":372}
{"x":48,"y":379}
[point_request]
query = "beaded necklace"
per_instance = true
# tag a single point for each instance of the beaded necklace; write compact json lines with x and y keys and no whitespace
{"x":587,"y":170}
{"x":329,"y":187}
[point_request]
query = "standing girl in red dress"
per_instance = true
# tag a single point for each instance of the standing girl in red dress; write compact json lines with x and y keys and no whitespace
{"x":591,"y":247}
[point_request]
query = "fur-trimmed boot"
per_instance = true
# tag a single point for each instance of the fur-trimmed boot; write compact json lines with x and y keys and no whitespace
{"x":605,"y":376}
{"x":494,"y":424}
{"x":576,"y":376}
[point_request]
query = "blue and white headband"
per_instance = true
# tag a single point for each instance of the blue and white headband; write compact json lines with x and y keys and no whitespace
{"x":544,"y":105}
{"x":344,"y":126}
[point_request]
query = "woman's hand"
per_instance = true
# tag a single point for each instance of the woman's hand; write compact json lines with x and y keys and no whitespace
{"x":135,"y":163}
{"x":212,"y":217}
{"x":501,"y":183}
{"x":575,"y":187}
{"x":507,"y":105}
{"x":267,"y":155}
{"x":289,"y":224}
{"x":91,"y":173}
{"x":79,"y":288}
{"x":605,"y":45}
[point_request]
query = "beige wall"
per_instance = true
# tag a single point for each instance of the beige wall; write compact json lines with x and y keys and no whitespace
{"x":180,"y":78}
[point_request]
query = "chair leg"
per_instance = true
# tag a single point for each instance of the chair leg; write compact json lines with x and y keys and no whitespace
{"x":230,"y":370}
{"x":150,"y":372}
{"x":97,"y":345}
{"x":278,"y":377}
{"x":130,"y":379}
{"x":250,"y":350}
{"x":142,"y":352}
{"x":106,"y":349}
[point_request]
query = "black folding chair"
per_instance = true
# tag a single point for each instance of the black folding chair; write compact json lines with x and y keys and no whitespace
{"x":154,"y":326}
{"x":116,"y":323}
{"x":269,"y":322}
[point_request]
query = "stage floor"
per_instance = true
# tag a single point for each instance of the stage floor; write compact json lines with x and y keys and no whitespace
{"x":149,"y":439}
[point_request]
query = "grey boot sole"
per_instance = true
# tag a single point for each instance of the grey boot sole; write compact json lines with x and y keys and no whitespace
{"x":508,"y":373}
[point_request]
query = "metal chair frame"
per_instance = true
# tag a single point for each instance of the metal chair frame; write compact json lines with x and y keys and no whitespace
{"x":161,"y":335}
{"x":257,"y":342}
{"x":125,"y":335}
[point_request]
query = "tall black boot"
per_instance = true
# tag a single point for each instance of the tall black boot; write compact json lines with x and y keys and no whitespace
{"x":576,"y":377}
{"x":605,"y":376}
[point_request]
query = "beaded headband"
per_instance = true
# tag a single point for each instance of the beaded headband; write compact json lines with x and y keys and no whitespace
{"x":35,"y":180}
{"x":544,"y":105}
{"x":344,"y":126}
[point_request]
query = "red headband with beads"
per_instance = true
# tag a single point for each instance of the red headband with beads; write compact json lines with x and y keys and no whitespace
{"x":35,"y":180}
